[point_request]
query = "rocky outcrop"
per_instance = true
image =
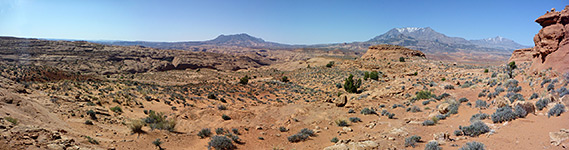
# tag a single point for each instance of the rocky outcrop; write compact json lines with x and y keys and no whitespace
{"x":385,"y":51}
{"x":81,"y":56}
{"x":522,"y":55}
{"x":552,"y":42}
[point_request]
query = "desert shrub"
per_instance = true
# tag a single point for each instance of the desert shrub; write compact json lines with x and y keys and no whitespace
{"x":211,"y":96}
{"x":159,"y":121}
{"x":443,"y":79}
{"x":462,"y":100}
{"x":472,"y":146}
{"x":205,"y":132}
{"x":479,"y":116}
{"x":341,"y":123}
{"x":374,"y":75}
{"x":492,"y":95}
{"x":428,"y":123}
{"x":334,"y":140}
{"x":511,"y":83}
{"x":330,"y":64}
{"x":557,"y":110}
{"x":225,"y":117}
{"x":453,"y":108}
{"x":244,"y":80}
{"x":481,"y":94}
{"x":542,"y":103}
{"x":449,"y":87}
{"x":499,"y":90}
{"x":514,"y":97}
{"x":503,"y":114}
{"x":391,"y":116}
{"x":116,"y":109}
{"x":235,"y":131}
{"x":412,"y":140}
{"x":533,"y":96}
{"x":221,"y":107}
{"x":545,"y":81}
{"x":466,"y":84}
{"x":338,"y":85}
{"x":219,"y":131}
{"x":297,"y":138}
{"x":520,"y":112}
{"x":481,"y":104}
{"x":92,"y":114}
{"x":475,"y":129}
{"x":426,"y":102}
{"x":283,"y":129}
{"x":367,"y":111}
{"x":414,"y":109}
{"x":91,"y":140}
{"x":301,"y":136}
{"x":351,"y":111}
{"x":433,"y":145}
{"x":136,"y":126}
{"x":88,"y":122}
{"x":485,"y":70}
{"x":157,"y":143}
{"x":562,"y":91}
{"x":401,"y":59}
{"x":221,"y":143}
{"x":366,"y":75}
{"x":351,"y":85}
{"x":355,"y":119}
{"x":550,"y":87}
{"x":423,"y":94}
{"x":441,"y":116}
{"x":14,"y":121}
{"x":284,"y":79}
{"x":444,"y":95}
{"x":515,"y":89}
{"x":234,"y":138}
{"x":458,"y":133}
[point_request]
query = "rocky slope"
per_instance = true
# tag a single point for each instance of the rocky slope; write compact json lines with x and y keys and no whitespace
{"x":81,"y":56}
{"x":390,"y":52}
{"x":552,"y":42}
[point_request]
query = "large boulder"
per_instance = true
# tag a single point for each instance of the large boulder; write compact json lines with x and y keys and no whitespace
{"x":341,"y":101}
{"x":443,"y":108}
{"x":552,"y":42}
{"x":365,"y":145}
{"x":527,"y":106}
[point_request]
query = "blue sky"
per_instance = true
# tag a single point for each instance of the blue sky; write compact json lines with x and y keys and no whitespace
{"x":284,"y":21}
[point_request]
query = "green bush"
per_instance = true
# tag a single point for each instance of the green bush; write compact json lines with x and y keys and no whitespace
{"x":136,"y":126}
{"x":159,"y":121}
{"x":330,"y":64}
{"x":355,"y":119}
{"x":14,"y":121}
{"x":116,"y":109}
{"x":283,"y":129}
{"x":157,"y":143}
{"x":374,"y":75}
{"x":244,"y":80}
{"x":367,"y":111}
{"x":301,"y":136}
{"x":401,"y":59}
{"x":423,"y":95}
{"x":366,"y":75}
{"x":92,"y":114}
{"x":342,"y":123}
{"x":351,"y":85}
{"x":557,"y":110}
{"x":503,"y":114}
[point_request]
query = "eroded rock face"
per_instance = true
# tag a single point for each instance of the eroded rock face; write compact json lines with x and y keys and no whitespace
{"x":552,"y":42}
{"x":522,"y":55}
{"x":390,"y":52}
{"x":81,"y":56}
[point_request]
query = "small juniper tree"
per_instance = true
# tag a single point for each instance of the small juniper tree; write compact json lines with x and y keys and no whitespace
{"x":351,"y":85}
{"x":157,"y":143}
{"x":511,"y":66}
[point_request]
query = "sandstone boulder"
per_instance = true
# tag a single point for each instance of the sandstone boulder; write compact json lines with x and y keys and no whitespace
{"x":341,"y":101}
{"x":443,"y":108}
{"x":502,"y":101}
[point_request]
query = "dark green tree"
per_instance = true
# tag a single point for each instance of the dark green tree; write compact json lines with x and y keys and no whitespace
{"x":374,"y":75}
{"x":511,"y":66}
{"x":351,"y":85}
{"x":244,"y":80}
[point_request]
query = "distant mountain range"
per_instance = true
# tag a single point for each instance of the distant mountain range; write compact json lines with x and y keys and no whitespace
{"x":431,"y":42}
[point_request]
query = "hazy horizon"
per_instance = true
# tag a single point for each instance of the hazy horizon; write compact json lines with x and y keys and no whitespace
{"x":288,"y":22}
